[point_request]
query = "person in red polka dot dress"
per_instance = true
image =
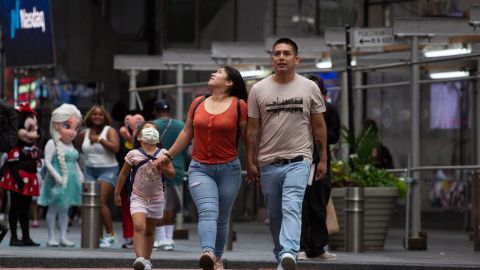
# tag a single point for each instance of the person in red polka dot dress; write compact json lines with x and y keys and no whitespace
{"x":19,"y":175}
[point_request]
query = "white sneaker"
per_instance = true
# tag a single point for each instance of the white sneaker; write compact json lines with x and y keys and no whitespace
{"x":287,"y":261}
{"x":66,"y":243}
{"x":52,"y":243}
{"x":170,"y":246}
{"x":327,"y":256}
{"x":148,"y":265}
{"x":159,"y":243}
{"x":302,"y":255}
{"x":139,"y":263}
{"x":107,"y":241}
{"x":128,"y":243}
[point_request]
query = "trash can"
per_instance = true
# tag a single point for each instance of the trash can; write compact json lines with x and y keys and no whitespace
{"x":354,"y":211}
{"x":91,"y":218}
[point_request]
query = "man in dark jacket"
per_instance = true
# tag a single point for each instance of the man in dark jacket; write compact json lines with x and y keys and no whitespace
{"x":314,"y":236}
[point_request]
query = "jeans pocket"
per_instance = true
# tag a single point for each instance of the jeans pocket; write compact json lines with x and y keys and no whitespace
{"x":193,"y":166}
{"x":234,"y":165}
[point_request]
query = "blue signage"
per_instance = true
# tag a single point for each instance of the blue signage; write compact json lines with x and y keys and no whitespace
{"x":27,"y":33}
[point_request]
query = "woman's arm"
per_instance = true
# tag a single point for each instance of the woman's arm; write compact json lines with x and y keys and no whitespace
{"x":112,"y":143}
{"x":243,"y":132}
{"x":183,"y":139}
{"x":253,"y":142}
{"x":79,"y":140}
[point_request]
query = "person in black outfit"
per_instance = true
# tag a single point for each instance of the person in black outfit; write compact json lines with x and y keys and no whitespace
{"x":380,"y":156}
{"x":314,"y":236}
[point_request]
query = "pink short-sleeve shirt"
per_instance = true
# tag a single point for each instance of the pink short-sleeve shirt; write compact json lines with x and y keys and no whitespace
{"x":148,"y":182}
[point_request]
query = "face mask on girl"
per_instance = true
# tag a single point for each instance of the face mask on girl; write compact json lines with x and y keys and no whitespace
{"x":150,"y":135}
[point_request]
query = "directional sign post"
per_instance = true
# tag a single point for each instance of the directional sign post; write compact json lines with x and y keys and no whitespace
{"x":372,"y":37}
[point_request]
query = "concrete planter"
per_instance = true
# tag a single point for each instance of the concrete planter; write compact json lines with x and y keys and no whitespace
{"x":379,"y":205}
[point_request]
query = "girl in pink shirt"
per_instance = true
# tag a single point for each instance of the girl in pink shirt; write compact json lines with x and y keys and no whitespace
{"x":146,"y":201}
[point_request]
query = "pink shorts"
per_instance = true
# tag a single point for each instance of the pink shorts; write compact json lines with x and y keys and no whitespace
{"x":153,"y":209}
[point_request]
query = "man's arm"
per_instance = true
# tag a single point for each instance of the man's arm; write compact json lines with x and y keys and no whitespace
{"x":319,"y":129}
{"x":253,"y":142}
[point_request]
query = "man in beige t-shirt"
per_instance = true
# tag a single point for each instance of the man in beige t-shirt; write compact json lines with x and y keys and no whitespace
{"x":284,"y":110}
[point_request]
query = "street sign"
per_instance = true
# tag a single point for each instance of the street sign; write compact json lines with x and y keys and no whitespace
{"x":371,"y":37}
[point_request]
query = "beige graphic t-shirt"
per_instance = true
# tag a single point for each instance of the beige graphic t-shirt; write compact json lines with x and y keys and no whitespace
{"x":284,"y":111}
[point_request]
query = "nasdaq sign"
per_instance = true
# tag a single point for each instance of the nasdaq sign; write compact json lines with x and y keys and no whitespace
{"x":27,"y":33}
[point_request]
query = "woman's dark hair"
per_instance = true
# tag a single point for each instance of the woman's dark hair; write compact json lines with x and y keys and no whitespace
{"x":238,"y":88}
{"x":368,"y":123}
{"x":87,"y":121}
{"x":319,"y":83}
{"x":136,"y":144}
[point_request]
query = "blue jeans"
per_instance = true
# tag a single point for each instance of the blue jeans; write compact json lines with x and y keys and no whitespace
{"x":283,"y":188}
{"x":214,"y":188}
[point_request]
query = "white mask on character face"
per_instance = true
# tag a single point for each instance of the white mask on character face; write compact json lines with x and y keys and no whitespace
{"x":150,"y":135}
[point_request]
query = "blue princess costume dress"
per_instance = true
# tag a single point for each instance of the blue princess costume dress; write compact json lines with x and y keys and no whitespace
{"x":62,"y":195}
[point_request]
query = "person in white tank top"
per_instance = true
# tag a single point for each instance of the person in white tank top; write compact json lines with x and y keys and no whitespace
{"x":99,"y":143}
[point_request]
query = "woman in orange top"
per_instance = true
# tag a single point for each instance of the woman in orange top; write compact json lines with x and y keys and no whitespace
{"x":214,"y":175}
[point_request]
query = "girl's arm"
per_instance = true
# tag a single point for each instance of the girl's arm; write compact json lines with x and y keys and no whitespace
{"x":167,"y":169}
{"x":122,"y":177}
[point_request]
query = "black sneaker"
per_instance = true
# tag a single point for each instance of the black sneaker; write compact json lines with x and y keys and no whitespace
{"x":29,"y":243}
{"x":15,"y":242}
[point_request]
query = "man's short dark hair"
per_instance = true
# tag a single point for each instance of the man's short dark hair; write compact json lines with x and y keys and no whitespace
{"x":288,"y":42}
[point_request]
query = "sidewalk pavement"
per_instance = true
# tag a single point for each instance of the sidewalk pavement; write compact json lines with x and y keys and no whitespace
{"x":251,"y":250}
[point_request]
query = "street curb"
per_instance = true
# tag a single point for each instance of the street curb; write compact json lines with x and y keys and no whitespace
{"x":30,"y":262}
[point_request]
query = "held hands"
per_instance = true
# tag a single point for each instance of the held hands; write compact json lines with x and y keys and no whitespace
{"x":252,"y":173}
{"x":321,"y":171}
{"x":161,"y":162}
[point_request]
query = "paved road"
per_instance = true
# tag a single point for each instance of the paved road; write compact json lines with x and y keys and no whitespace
{"x":252,"y":250}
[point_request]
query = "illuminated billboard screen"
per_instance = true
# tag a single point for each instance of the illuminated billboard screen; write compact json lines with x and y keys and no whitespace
{"x":27,"y":33}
